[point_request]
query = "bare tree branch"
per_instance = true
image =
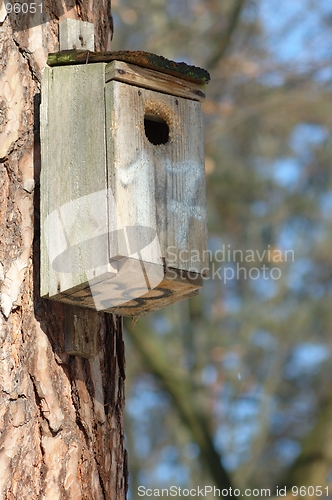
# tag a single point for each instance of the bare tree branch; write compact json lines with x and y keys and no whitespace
{"x":179,"y":388}
{"x":311,"y":468}
{"x":227,"y":36}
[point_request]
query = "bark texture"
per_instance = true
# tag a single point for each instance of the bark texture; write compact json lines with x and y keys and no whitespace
{"x":61,"y":417}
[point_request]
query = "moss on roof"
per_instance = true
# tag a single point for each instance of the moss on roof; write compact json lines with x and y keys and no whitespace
{"x":144,"y":59}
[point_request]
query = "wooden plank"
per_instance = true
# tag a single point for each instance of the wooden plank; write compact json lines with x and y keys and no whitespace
{"x":75,"y":34}
{"x":74,"y":215}
{"x":44,"y":244}
{"x":153,"y":80}
{"x":175,"y":286}
{"x":159,"y":186}
{"x":145,"y":59}
{"x":81,"y":331}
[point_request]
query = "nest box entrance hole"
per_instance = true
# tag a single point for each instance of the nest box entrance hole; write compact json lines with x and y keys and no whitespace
{"x":156,"y":129}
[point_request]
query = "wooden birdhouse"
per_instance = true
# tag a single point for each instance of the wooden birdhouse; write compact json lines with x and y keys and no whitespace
{"x":122,"y":183}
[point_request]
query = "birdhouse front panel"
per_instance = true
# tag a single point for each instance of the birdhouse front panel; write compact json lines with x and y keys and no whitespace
{"x":156,"y":168}
{"x":123,"y":188}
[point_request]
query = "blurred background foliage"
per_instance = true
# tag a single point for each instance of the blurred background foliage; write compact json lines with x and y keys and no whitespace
{"x":233,"y":388}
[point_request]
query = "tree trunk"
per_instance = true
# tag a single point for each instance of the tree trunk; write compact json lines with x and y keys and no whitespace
{"x":61,"y":417}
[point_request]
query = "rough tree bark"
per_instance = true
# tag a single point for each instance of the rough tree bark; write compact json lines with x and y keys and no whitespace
{"x":61,"y":425}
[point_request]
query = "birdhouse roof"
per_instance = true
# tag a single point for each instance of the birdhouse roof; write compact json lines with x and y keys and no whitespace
{"x":144,"y":59}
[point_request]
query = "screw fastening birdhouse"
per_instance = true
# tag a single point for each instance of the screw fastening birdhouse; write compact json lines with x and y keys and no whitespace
{"x":122,"y":183}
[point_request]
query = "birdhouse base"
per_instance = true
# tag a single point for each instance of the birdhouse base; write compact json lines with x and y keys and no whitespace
{"x":176,"y":285}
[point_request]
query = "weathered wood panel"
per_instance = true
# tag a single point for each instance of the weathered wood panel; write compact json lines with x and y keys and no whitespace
{"x":73,"y":177}
{"x":123,"y":189}
{"x":144,"y":59}
{"x":153,"y":80}
{"x":159,"y":186}
{"x":175,"y":286}
{"x":81,"y":328}
{"x":74,"y":34}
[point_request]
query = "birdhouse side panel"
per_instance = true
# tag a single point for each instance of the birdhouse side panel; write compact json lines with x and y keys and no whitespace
{"x":186,"y":228}
{"x":74,"y":217}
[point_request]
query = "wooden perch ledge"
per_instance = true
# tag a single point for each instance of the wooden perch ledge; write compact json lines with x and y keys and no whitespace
{"x":144,"y":59}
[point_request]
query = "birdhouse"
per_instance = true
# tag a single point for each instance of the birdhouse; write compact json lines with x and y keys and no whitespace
{"x":123,"y":218}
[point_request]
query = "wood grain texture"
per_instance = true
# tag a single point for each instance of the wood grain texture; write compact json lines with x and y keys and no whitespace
{"x":74,"y":170}
{"x":159,"y":186}
{"x":144,"y":59}
{"x":74,"y":34}
{"x":153,"y":80}
{"x":81,"y":331}
{"x":175,"y":286}
{"x":118,"y":207}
